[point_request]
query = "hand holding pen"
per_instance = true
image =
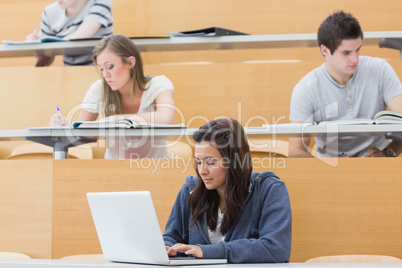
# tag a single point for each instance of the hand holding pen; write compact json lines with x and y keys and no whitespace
{"x":58,"y":120}
{"x":59,"y":112}
{"x":32,"y":36}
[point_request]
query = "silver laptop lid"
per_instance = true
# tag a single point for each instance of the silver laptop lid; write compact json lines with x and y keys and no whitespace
{"x":128,"y":227}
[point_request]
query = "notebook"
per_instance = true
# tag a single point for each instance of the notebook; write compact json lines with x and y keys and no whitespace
{"x":128,"y":229}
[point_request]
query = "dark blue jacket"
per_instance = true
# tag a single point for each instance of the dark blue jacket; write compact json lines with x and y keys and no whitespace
{"x":261,"y":234}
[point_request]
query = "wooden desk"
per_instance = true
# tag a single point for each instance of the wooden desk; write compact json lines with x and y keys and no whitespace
{"x":187,"y":43}
{"x":348,"y":206}
{"x":63,"y":138}
{"x":39,"y":263}
{"x":351,"y":206}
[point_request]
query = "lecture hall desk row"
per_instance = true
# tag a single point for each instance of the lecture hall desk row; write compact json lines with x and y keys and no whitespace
{"x":155,"y":18}
{"x":340,"y":206}
{"x":253,"y":93}
{"x":148,"y":18}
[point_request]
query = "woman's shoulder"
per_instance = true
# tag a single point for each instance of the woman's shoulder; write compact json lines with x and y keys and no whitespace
{"x":160,"y":81}
{"x":267,"y":185}
{"x":265,"y":179}
{"x":154,"y":87}
{"x":94,"y":93}
{"x":189,"y":185}
{"x":98,"y":82}
{"x":266,"y":175}
{"x":93,"y":98}
{"x":96,"y":86}
{"x":191,"y":182}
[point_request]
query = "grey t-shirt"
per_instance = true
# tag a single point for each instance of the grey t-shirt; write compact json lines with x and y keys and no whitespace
{"x":56,"y":23}
{"x":317,"y":97}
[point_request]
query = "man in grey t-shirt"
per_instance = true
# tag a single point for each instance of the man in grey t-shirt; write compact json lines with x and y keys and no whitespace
{"x":75,"y":19}
{"x":346,"y":86}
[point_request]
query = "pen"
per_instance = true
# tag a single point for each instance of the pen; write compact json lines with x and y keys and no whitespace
{"x":59,"y":113}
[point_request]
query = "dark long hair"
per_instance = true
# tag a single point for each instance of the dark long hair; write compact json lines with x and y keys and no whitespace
{"x":229,"y":138}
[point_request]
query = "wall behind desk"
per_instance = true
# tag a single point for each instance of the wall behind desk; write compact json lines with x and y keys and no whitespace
{"x":73,"y":228}
{"x":158,"y":18}
{"x":29,"y":95}
{"x":247,"y":92}
{"x":26,"y":207}
{"x":255,"y":93}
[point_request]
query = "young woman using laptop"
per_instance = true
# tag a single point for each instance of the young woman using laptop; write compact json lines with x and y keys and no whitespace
{"x":228,"y":211}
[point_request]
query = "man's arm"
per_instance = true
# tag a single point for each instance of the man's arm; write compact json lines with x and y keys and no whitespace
{"x":87,"y":29}
{"x":298,"y":146}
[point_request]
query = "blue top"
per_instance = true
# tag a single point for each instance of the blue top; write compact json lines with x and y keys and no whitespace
{"x":261,"y":234}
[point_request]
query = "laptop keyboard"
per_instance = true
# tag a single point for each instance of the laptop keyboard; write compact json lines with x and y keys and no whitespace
{"x":181,"y":258}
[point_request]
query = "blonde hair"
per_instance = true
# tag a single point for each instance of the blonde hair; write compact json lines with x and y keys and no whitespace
{"x":123,"y":47}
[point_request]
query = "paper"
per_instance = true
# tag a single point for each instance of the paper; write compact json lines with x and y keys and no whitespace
{"x":46,"y":39}
{"x":123,"y":123}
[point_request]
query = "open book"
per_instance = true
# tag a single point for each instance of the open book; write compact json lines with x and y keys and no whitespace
{"x":45,"y":39}
{"x":123,"y":123}
{"x":382,"y":117}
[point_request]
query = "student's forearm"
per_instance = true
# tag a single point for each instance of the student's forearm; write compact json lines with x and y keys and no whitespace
{"x":87,"y":29}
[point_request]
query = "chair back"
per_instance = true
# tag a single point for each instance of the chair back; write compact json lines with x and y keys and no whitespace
{"x":13,"y":255}
{"x":355,"y":258}
{"x":96,"y":257}
{"x":40,"y":151}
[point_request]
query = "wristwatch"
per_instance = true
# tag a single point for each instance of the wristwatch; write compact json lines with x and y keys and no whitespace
{"x":389,"y":152}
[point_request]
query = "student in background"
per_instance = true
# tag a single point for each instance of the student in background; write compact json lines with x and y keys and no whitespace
{"x":227,"y":211}
{"x":72,"y":19}
{"x":125,"y":92}
{"x":346,"y":86}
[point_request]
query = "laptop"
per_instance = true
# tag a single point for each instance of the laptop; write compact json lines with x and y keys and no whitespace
{"x":128,"y":230}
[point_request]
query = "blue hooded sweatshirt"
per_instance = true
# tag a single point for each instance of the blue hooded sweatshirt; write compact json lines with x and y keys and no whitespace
{"x":262,"y":233}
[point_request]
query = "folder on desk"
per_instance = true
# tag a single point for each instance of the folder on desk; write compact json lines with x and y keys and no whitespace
{"x":211,"y":31}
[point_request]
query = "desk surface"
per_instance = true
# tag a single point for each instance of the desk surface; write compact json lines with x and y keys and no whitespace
{"x":52,"y":203}
{"x":187,"y":43}
{"x":63,"y":138}
{"x":31,"y":263}
{"x":279,"y":129}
